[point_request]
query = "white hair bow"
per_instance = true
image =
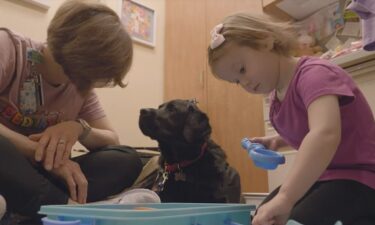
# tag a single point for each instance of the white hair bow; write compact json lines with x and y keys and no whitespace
{"x":216,"y":37}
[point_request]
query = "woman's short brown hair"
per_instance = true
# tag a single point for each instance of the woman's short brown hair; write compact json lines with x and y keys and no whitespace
{"x":90,"y":43}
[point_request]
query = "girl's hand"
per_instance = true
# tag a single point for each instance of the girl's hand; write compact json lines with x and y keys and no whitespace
{"x":274,"y":212}
{"x":76,"y":181}
{"x":55,"y":143}
{"x":270,"y":142}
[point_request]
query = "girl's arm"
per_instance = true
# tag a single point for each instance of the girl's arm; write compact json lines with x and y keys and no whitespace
{"x":280,"y":141}
{"x":274,"y":142}
{"x":317,"y":149}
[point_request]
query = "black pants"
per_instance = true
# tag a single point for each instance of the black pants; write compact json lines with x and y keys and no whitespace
{"x":326,"y":202}
{"x":26,"y":187}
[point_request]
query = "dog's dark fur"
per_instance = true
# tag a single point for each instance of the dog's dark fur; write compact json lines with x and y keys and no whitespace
{"x":181,"y":129}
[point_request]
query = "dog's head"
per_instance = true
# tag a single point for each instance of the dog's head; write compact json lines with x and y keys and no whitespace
{"x":178,"y":120}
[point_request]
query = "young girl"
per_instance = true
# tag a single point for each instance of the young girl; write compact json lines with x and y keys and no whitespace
{"x":317,"y":109}
{"x":47,"y":104}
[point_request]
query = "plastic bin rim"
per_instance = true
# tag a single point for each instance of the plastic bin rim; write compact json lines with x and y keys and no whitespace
{"x":128,"y":213}
{"x":151,"y":218}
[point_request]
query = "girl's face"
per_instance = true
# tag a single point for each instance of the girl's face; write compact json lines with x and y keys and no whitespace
{"x":256,"y":71}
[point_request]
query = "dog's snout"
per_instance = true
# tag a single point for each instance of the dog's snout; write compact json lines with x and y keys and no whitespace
{"x":146,"y":111}
{"x":143,"y":111}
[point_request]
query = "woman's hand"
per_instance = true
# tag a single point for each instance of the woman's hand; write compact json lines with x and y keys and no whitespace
{"x":274,"y":212}
{"x":270,"y":142}
{"x":55,"y":143}
{"x":76,"y":181}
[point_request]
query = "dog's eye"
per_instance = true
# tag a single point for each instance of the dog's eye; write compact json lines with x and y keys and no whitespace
{"x":171,"y":108}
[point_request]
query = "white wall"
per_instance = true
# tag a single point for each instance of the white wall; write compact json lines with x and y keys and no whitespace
{"x":145,"y":79}
{"x":25,"y":19}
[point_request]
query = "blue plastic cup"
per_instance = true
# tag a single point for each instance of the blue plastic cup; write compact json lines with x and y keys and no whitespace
{"x":262,"y":157}
{"x":47,"y":221}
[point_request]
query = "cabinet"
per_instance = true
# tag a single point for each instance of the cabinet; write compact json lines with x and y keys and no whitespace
{"x":364,"y":75}
{"x":185,"y":51}
{"x":233,"y":113}
{"x":294,"y":9}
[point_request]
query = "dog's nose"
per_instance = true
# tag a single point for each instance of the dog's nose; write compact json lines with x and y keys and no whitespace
{"x":145,"y":111}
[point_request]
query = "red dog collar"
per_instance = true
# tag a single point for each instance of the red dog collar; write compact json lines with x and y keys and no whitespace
{"x":171,"y":168}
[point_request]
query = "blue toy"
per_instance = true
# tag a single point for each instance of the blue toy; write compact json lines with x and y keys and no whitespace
{"x":292,"y":222}
{"x":262,"y":157}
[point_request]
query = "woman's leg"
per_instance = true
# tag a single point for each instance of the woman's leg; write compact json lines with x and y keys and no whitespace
{"x":22,"y":185}
{"x":26,"y":188}
{"x":109,"y":170}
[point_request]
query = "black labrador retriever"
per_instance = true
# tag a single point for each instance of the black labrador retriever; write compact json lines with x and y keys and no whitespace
{"x":192,"y":167}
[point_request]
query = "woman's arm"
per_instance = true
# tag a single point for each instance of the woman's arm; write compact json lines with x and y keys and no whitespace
{"x":56,"y":142}
{"x":23,"y":143}
{"x":317,"y":149}
{"x":101,"y":134}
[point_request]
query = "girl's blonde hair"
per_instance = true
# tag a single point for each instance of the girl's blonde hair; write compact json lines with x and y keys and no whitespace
{"x":90,"y":43}
{"x":253,"y":31}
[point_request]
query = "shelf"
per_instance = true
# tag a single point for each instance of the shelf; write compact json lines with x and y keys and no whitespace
{"x":354,"y":58}
{"x":293,"y":9}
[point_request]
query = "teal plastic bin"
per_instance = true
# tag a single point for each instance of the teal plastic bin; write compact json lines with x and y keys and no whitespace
{"x":161,"y":214}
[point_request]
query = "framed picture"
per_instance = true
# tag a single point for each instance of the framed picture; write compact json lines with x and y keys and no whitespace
{"x":43,"y":4}
{"x":139,"y":21}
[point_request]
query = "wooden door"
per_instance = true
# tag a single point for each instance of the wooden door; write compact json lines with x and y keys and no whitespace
{"x":185,"y":48}
{"x":234,"y":113}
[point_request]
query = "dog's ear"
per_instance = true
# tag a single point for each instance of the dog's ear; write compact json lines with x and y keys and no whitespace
{"x":197,"y":127}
